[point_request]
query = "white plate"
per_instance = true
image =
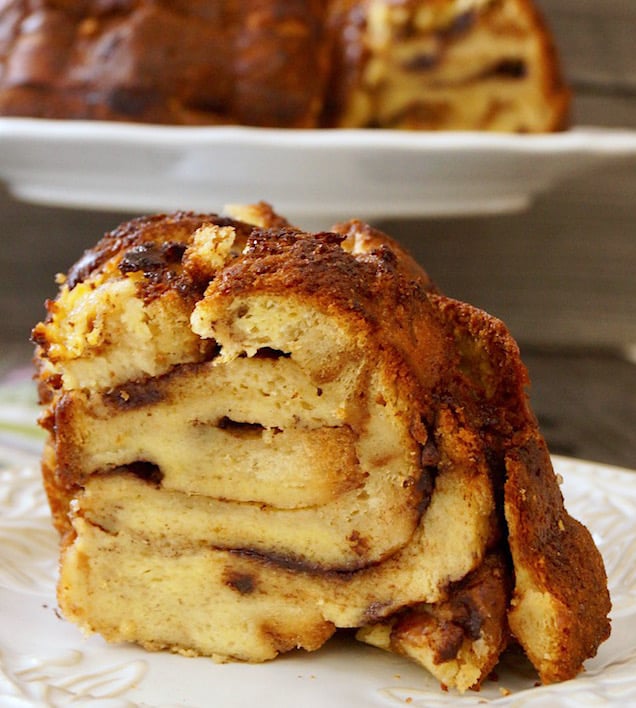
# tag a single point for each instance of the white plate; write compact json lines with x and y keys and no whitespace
{"x":45,"y":661}
{"x":316,"y":175}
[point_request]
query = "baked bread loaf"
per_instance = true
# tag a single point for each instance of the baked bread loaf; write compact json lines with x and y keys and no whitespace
{"x":257,"y":436}
{"x":420,"y":64}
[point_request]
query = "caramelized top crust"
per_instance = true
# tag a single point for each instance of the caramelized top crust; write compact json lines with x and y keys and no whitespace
{"x":366,"y":288}
{"x":353,"y":269}
{"x":315,"y":264}
{"x":159,"y":229}
{"x":343,"y":265}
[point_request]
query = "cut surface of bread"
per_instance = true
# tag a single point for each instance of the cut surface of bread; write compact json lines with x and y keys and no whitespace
{"x":448,"y":65}
{"x":413,"y":64}
{"x":258,"y":435}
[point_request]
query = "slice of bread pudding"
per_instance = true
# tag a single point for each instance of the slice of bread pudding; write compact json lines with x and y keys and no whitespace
{"x":259,"y":435}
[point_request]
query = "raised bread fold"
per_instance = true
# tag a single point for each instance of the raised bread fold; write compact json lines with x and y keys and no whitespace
{"x":422,"y":64}
{"x":259,"y":435}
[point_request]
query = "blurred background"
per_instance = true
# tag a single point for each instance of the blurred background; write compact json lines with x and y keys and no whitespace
{"x":562,"y":275}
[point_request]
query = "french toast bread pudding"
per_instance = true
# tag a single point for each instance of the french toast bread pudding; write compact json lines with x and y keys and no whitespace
{"x":413,"y":64}
{"x":258,"y":436}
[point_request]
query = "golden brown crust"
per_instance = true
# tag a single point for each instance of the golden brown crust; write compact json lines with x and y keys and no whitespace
{"x":388,"y":473}
{"x":548,"y":547}
{"x":293,"y":64}
{"x":490,"y":374}
{"x":555,"y":88}
{"x":554,"y":556}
